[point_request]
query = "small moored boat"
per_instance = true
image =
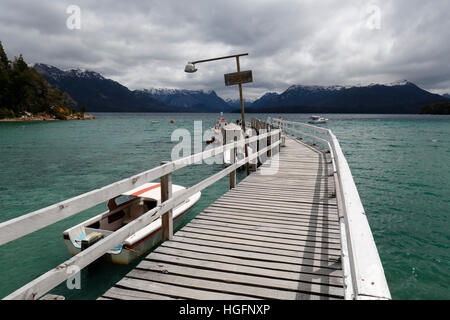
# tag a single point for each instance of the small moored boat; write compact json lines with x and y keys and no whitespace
{"x":122,"y":210}
{"x":317,"y":120}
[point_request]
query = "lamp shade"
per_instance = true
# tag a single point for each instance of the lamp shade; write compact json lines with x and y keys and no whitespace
{"x":190,"y":68}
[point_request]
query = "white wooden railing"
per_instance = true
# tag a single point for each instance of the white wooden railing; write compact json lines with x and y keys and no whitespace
{"x":28,"y":223}
{"x":364,"y":276}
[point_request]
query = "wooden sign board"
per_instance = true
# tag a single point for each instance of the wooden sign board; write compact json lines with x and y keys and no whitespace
{"x":238,"y":78}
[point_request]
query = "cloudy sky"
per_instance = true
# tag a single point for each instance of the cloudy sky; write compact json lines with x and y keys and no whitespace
{"x":144,"y":44}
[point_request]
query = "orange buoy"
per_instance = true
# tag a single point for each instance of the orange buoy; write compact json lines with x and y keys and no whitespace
{"x":172,"y":121}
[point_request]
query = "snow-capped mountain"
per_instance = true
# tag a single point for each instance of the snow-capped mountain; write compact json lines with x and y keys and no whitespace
{"x":98,"y":93}
{"x":339,"y":87}
{"x":397,"y":97}
{"x":57,"y":74}
{"x":235,"y":104}
{"x":191,"y":100}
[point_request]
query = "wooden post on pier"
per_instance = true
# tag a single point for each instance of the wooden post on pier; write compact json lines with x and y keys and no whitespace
{"x":269,"y":141}
{"x":255,"y":161}
{"x":254,"y":123}
{"x":279,"y":139}
{"x":233,"y":161}
{"x":166,"y":218}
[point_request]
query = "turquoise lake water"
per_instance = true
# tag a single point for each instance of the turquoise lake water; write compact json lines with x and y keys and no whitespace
{"x":400,"y":164}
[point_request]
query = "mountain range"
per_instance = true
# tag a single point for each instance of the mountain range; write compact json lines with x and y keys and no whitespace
{"x":398,"y":97}
{"x":189,"y":100}
{"x":98,"y":93}
{"x":105,"y":95}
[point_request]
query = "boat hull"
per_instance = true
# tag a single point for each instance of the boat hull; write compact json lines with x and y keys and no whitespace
{"x":130,"y":253}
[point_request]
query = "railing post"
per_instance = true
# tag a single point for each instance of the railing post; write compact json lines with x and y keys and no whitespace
{"x":247,"y":164}
{"x":283,"y":134}
{"x":269,"y":142}
{"x":279,"y":139}
{"x":255,"y":150}
{"x":255,"y":164}
{"x":166,"y":218}
{"x":314,"y":137}
{"x":233,"y":161}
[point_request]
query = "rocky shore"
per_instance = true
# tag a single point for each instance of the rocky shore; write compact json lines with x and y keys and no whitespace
{"x":46,"y":117}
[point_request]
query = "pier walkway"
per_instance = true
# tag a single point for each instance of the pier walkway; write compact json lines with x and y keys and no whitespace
{"x":272,"y":237}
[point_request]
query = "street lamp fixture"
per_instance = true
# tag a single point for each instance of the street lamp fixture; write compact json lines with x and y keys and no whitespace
{"x":190,"y":68}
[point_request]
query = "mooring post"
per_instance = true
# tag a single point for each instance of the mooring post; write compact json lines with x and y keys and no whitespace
{"x":255,"y":146}
{"x":167,"y":217}
{"x":233,"y":161}
{"x":255,"y":150}
{"x":279,"y":139}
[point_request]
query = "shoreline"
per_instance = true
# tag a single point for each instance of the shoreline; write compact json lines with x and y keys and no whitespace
{"x":42,"y":118}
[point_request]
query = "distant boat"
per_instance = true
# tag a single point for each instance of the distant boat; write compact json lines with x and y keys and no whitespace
{"x":317,"y":120}
{"x":124,"y":209}
{"x":155,"y":122}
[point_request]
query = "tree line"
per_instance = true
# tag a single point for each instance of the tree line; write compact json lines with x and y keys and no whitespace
{"x":441,"y":107}
{"x":23,"y":89}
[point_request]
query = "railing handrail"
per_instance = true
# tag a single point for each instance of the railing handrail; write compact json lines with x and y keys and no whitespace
{"x":367,"y":273}
{"x":305,"y":125}
{"x":52,"y":278}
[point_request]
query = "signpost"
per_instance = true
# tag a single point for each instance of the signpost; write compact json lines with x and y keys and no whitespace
{"x":238,"y":78}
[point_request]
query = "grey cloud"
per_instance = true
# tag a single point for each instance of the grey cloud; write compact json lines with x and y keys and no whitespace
{"x":145,"y":44}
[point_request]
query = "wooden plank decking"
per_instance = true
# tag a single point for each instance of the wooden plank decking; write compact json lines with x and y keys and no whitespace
{"x":272,"y":237}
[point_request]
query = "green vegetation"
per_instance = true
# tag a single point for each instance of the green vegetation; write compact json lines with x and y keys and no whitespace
{"x":442,"y":107}
{"x":23,"y":91}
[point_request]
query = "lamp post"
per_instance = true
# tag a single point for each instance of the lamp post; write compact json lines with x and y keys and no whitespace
{"x":230,"y":79}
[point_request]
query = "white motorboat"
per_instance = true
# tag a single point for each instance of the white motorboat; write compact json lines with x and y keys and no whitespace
{"x":122,"y":210}
{"x":229,"y":132}
{"x":317,"y":120}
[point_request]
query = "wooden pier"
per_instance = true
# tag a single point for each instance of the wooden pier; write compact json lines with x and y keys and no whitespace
{"x":295,"y":228}
{"x":272,"y":237}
